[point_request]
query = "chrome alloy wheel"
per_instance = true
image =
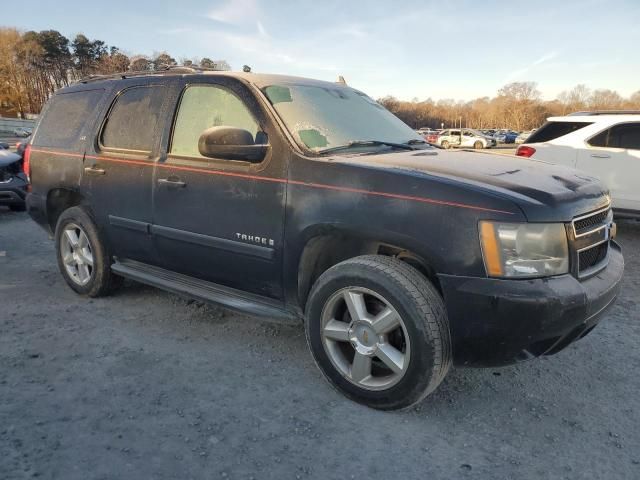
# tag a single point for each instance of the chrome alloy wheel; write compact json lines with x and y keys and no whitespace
{"x":76,"y":254}
{"x":365,"y":338}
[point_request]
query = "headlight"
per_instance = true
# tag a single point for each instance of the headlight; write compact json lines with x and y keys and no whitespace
{"x":524,"y":249}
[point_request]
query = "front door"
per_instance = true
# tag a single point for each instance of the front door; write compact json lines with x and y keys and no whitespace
{"x":215,"y":219}
{"x":613,"y":156}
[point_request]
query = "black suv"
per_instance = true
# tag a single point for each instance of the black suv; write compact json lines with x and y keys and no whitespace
{"x":13,"y":180}
{"x":297,"y":198}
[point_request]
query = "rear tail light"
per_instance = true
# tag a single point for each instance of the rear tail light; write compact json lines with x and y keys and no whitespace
{"x":26,"y":162}
{"x":524,"y":151}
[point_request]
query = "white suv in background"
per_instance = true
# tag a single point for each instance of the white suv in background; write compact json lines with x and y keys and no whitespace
{"x":604,"y":144}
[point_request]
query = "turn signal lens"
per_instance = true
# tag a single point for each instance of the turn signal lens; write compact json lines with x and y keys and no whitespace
{"x":490,"y":249}
{"x":26,"y":162}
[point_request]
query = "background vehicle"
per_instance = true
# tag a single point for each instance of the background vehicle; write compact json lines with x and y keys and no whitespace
{"x":522,"y":137}
{"x":489,"y":132}
{"x":505,"y":136}
{"x":13,"y":181}
{"x":432,"y":137}
{"x":603,"y":144}
{"x":21,"y":146}
{"x":463,"y":138}
{"x":21,"y":132}
{"x":307,"y":200}
{"x":4,"y":146}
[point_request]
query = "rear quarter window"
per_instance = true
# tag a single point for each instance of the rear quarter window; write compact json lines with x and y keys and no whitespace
{"x":65,"y":115}
{"x":552,"y":130}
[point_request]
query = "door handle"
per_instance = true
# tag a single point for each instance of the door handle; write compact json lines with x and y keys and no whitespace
{"x":94,"y":171}
{"x":600,"y":155}
{"x":170,"y":182}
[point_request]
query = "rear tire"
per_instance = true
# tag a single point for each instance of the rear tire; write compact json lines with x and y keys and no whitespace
{"x":83,"y":256}
{"x":445,"y":145}
{"x":385,"y":365}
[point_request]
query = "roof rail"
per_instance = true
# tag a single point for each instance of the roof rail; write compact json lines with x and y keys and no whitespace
{"x":164,"y":70}
{"x":604,"y":112}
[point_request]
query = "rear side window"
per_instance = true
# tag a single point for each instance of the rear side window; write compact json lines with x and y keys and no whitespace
{"x":552,"y":130}
{"x":65,"y":116}
{"x":132,"y":120}
{"x":626,"y":135}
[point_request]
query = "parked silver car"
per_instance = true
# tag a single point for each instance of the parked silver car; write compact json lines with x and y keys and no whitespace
{"x":464,"y":138}
{"x":21,"y":132}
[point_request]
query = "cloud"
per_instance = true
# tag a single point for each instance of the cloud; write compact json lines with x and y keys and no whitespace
{"x":236,"y":12}
{"x":521,"y":71}
{"x":261,"y":29}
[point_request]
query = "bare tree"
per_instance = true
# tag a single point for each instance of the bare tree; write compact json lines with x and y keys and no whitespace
{"x":575,"y":100}
{"x":605,"y":100}
{"x":140,"y":63}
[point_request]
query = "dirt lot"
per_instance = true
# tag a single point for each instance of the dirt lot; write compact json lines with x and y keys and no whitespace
{"x":146,"y":385}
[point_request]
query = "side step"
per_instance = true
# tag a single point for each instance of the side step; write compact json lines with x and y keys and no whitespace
{"x":202,"y":290}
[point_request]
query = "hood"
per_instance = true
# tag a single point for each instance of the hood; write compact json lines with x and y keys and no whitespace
{"x":544,"y":192}
{"x":7,"y":158}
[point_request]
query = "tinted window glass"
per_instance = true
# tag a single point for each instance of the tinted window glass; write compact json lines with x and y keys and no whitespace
{"x":600,"y":140}
{"x":553,"y":130}
{"x":205,"y":106}
{"x":626,"y":135}
{"x":65,"y":116}
{"x":132,"y":120}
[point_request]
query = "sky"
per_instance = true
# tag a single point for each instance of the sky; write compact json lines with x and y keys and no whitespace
{"x":408,"y":49}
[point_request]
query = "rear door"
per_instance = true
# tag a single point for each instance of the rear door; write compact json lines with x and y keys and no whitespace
{"x":455,"y":137}
{"x":613,"y":156}
{"x":118,"y":169}
{"x":215,"y":219}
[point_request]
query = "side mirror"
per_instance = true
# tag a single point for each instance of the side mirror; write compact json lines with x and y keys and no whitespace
{"x":231,"y":143}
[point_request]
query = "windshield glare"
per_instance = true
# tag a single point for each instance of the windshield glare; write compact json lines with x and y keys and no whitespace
{"x":321,"y":117}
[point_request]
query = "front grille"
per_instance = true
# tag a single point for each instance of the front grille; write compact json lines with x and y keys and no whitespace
{"x":586,"y":223}
{"x":591,"y":241}
{"x":593,"y":256}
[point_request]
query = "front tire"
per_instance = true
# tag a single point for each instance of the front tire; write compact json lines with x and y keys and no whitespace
{"x":83,"y":256}
{"x":478,"y":145}
{"x":378,"y":331}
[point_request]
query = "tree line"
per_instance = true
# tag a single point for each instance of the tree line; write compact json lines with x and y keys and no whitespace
{"x":35,"y":64}
{"x":518,"y":106}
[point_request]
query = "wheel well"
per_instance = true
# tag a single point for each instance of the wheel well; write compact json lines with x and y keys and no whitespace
{"x":323,"y":252}
{"x":58,"y":201}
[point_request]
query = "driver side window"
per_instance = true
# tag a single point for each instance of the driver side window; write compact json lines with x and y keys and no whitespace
{"x":205,"y":106}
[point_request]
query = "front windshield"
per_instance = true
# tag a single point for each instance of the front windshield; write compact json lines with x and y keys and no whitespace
{"x":325,"y":117}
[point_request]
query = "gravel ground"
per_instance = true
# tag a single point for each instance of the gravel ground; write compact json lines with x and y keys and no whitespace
{"x":147,"y":385}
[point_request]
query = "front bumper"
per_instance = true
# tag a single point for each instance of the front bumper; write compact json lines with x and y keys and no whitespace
{"x":497,"y":322}
{"x":14,"y":191}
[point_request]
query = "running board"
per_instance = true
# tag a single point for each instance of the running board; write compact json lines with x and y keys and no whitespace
{"x":202,"y":290}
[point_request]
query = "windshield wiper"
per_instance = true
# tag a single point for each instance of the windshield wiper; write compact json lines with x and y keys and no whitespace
{"x":415,"y":141}
{"x":365,"y":143}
